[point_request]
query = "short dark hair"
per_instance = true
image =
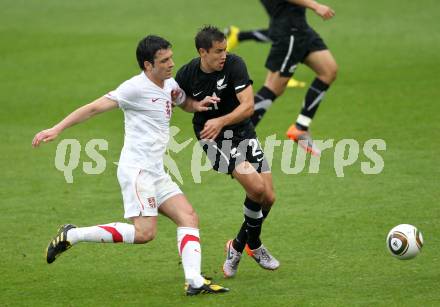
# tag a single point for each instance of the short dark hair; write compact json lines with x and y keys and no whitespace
{"x":147,"y":48}
{"x":207,"y":35}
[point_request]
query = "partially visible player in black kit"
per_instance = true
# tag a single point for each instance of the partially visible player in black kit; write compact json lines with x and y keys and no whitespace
{"x":220,"y":82}
{"x":294,"y":41}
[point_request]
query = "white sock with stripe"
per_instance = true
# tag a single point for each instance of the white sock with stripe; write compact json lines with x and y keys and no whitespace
{"x":108,"y":233}
{"x":188,"y":243}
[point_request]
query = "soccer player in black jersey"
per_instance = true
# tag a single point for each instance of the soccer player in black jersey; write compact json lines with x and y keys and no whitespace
{"x":294,"y":41}
{"x":236,"y":36}
{"x":220,"y":83}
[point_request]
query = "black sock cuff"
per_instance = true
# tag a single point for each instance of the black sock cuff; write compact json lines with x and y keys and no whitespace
{"x":266,"y":93}
{"x":252,"y":205}
{"x":320,"y":85}
{"x":265,"y":213}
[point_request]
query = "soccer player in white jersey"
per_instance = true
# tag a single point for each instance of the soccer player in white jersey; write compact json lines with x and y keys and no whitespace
{"x":146,"y":100}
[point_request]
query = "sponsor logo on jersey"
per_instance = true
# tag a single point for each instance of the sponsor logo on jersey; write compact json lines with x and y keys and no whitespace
{"x":220,"y":84}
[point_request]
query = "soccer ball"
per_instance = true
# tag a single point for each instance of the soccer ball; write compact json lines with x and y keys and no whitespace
{"x":404,"y":241}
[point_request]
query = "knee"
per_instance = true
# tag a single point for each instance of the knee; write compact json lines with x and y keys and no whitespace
{"x":257,"y":191}
{"x":329,"y":74}
{"x":145,"y":236}
{"x":334,"y":72}
{"x":269,"y":199}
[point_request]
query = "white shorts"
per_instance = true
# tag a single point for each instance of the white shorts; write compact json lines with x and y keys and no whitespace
{"x":144,"y":191}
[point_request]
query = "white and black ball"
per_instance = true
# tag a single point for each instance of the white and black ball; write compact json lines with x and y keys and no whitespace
{"x":404,"y":241}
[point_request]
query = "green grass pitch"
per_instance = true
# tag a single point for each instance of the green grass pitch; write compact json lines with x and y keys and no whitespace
{"x":328,"y":232}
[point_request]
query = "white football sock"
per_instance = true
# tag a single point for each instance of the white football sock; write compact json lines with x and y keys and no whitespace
{"x":188,"y":244}
{"x":108,"y":233}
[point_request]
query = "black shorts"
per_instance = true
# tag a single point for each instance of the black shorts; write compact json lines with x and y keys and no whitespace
{"x":291,"y":48}
{"x":232,"y":147}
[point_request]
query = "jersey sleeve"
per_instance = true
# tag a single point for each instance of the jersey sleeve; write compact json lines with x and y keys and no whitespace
{"x":240,"y":77}
{"x":124,"y":94}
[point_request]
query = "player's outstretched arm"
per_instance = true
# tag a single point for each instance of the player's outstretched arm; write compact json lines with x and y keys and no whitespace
{"x":81,"y":114}
{"x":324,"y":11}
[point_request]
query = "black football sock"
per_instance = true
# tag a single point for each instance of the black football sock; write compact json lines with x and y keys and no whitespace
{"x":263,"y":100}
{"x":240,"y":240}
{"x":313,"y":98}
{"x":254,"y":219}
{"x":265,"y":213}
{"x":242,"y":237}
{"x":261,"y":35}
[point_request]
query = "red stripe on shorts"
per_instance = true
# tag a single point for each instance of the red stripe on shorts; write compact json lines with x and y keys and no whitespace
{"x":186,"y":239}
{"x":117,"y":237}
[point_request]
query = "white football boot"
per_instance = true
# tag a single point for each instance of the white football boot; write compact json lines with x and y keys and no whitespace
{"x":262,"y":256}
{"x":232,"y":260}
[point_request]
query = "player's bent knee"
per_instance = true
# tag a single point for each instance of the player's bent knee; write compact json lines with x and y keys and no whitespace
{"x":257,"y":191}
{"x":145,"y":236}
{"x":330,"y":74}
{"x":334,"y":72}
{"x":270,"y":200}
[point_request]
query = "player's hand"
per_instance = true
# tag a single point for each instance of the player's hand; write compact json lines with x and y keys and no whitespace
{"x":324,"y":11}
{"x":44,"y":136}
{"x":175,"y":94}
{"x":208,"y":103}
{"x":212,"y":128}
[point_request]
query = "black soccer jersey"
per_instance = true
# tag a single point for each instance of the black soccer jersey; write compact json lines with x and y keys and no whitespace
{"x":280,"y":8}
{"x":284,"y":16}
{"x":226,"y":84}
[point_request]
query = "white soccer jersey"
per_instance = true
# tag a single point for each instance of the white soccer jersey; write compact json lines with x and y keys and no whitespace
{"x":147,"y":111}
